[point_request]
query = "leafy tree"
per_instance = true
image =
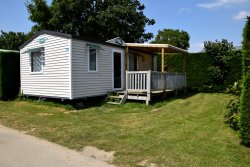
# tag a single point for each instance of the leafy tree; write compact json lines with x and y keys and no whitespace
{"x":12,"y":40}
{"x":39,"y":13}
{"x":221,"y":53}
{"x":92,"y":18}
{"x":244,"y":122}
{"x":174,"y":37}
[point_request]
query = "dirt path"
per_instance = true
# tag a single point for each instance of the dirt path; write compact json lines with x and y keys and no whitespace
{"x":21,"y":150}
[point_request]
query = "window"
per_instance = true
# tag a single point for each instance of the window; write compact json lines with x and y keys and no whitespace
{"x":92,"y":59}
{"x":36,"y":61}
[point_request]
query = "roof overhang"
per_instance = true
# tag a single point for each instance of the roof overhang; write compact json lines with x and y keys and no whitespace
{"x":155,"y":48}
{"x":5,"y":50}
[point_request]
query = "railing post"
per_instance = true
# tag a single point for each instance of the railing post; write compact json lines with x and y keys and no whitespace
{"x":163,"y":83}
{"x":148,"y":87}
{"x":185,"y":91}
{"x":176,"y":88}
{"x":127,"y":81}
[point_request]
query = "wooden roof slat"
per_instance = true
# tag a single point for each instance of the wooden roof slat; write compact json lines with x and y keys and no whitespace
{"x":153,"y":48}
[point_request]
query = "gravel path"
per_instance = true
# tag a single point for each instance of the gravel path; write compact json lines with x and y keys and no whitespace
{"x":21,"y":150}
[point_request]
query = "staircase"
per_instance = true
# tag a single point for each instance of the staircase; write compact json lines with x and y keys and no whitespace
{"x":117,"y":98}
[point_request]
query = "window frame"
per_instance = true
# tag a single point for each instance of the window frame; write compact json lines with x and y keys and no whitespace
{"x":96,"y":60}
{"x":42,"y":61}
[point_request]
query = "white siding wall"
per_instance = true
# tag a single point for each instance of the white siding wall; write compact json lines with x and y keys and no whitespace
{"x":87,"y":84}
{"x":55,"y":80}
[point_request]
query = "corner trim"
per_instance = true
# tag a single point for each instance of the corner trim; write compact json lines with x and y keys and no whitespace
{"x":70,"y":70}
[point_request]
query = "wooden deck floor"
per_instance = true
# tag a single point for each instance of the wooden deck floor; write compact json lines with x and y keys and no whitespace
{"x":143,"y":95}
{"x":145,"y":92}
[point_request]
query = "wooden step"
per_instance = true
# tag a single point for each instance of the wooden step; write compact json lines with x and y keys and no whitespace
{"x":122,"y":98}
{"x":113,"y":103}
{"x":115,"y":97}
{"x":131,"y":97}
{"x":121,"y":92}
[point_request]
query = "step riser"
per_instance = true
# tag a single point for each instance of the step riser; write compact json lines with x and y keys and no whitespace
{"x":137,"y":97}
{"x":121,"y":98}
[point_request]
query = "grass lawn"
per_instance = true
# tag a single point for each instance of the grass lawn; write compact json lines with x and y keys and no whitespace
{"x":187,"y":131}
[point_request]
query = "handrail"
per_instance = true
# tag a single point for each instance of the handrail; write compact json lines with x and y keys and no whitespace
{"x":137,"y":80}
{"x":147,"y":81}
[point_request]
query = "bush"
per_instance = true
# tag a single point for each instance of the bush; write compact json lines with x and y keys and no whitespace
{"x":221,"y":53}
{"x":232,"y":116}
{"x":9,"y":75}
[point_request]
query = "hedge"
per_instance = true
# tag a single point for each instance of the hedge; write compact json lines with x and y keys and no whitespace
{"x":244,"y":120}
{"x":234,"y":69}
{"x":198,"y":75}
{"x":9,"y":75}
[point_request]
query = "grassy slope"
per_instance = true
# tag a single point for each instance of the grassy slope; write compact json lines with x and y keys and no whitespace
{"x":183,"y":132}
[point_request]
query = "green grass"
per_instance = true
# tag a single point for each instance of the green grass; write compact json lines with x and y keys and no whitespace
{"x":186,"y":131}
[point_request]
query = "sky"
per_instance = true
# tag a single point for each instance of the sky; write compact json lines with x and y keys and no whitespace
{"x":204,"y":20}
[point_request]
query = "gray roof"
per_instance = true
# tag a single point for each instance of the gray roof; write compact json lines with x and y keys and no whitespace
{"x":65,"y":35}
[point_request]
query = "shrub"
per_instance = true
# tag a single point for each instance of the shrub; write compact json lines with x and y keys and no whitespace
{"x":232,"y":116}
{"x":9,"y":75}
{"x":221,"y":53}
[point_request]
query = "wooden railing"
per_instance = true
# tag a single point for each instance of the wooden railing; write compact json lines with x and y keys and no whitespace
{"x":147,"y":81}
{"x":137,"y":80}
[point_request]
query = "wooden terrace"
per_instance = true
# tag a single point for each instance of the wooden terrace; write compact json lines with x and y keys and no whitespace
{"x":142,"y":85}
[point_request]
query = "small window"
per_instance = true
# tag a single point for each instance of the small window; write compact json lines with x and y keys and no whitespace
{"x":92,"y":60}
{"x":36,"y":61}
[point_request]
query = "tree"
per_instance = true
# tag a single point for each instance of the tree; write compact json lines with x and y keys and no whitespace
{"x":93,"y":18}
{"x":173,"y":37}
{"x":39,"y":13}
{"x":12,"y":40}
{"x":221,"y":53}
{"x":244,"y":122}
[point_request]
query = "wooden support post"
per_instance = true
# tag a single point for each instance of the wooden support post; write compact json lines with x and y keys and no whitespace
{"x":162,"y":60}
{"x":184,"y":63}
{"x":176,"y":83}
{"x":148,"y":87}
{"x":185,"y":91}
{"x":126,"y":58}
{"x":184,"y":70}
{"x":163,"y":72}
{"x":127,"y":80}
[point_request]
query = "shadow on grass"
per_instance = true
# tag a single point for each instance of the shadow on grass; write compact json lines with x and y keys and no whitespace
{"x":67,"y":104}
{"x":171,"y":96}
{"x":99,"y":101}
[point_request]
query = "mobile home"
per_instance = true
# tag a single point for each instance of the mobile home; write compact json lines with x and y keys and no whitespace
{"x":57,"y":65}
